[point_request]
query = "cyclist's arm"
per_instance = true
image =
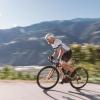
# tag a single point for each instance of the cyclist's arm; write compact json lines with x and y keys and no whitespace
{"x":58,"y":55}
{"x":54,"y":53}
{"x":60,"y":52}
{"x":57,"y":46}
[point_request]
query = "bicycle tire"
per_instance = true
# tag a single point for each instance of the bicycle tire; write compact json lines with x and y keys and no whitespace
{"x":43,"y":69}
{"x":74,"y":73}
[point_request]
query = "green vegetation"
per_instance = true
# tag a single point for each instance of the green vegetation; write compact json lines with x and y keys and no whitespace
{"x":87,"y":56}
{"x":9,"y":73}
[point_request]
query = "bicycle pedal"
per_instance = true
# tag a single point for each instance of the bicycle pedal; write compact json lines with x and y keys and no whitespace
{"x":61,"y":82}
{"x":64,"y":80}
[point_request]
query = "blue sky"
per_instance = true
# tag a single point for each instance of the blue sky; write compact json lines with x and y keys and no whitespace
{"x":26,"y":12}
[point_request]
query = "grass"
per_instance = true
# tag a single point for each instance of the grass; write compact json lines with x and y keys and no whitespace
{"x":9,"y":73}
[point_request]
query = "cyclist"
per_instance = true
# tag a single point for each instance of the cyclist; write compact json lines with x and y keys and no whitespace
{"x":62,"y":53}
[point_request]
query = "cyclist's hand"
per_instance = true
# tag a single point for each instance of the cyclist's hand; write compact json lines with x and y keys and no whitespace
{"x":50,"y":58}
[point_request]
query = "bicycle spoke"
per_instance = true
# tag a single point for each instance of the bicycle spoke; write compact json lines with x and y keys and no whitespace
{"x":48,"y":77}
{"x":80,"y":78}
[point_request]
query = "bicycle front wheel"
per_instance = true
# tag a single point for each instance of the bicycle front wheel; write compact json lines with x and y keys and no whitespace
{"x":79,"y":78}
{"x":47,"y":77}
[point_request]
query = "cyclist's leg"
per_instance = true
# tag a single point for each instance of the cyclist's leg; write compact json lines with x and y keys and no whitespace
{"x":61,"y":72}
{"x":65,"y":58}
{"x":65,"y":79}
{"x":66,"y":66}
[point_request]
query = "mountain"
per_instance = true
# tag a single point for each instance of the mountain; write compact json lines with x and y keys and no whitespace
{"x":26,"y":45}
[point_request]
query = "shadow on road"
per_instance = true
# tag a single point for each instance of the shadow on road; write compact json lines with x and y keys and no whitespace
{"x":89,"y":94}
{"x":82,"y":94}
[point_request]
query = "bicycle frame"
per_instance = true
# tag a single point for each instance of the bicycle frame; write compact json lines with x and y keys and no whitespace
{"x":76,"y":79}
{"x":59,"y":68}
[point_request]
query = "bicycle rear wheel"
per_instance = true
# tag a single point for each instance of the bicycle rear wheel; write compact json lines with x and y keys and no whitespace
{"x":79,"y":78}
{"x":47,"y":82}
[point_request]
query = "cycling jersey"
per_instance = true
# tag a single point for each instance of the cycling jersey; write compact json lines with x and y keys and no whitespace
{"x":58,"y":43}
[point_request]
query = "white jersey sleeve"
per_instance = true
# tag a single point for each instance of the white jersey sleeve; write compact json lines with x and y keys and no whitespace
{"x":58,"y":43}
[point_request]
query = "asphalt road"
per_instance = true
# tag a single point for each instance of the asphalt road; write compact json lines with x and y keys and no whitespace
{"x":30,"y":91}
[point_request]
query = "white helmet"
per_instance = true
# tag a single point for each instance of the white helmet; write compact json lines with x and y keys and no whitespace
{"x":49,"y":35}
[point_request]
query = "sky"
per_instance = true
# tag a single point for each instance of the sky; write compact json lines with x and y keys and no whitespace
{"x":26,"y":12}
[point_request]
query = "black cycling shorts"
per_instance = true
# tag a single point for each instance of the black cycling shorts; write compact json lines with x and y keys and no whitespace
{"x":67,"y":56}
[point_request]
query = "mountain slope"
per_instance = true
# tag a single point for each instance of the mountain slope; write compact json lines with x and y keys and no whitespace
{"x":26,"y":46}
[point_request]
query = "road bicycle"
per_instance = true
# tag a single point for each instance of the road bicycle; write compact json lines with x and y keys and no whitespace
{"x":49,"y":76}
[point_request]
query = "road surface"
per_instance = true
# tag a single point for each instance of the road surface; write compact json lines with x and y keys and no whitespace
{"x":19,"y":90}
